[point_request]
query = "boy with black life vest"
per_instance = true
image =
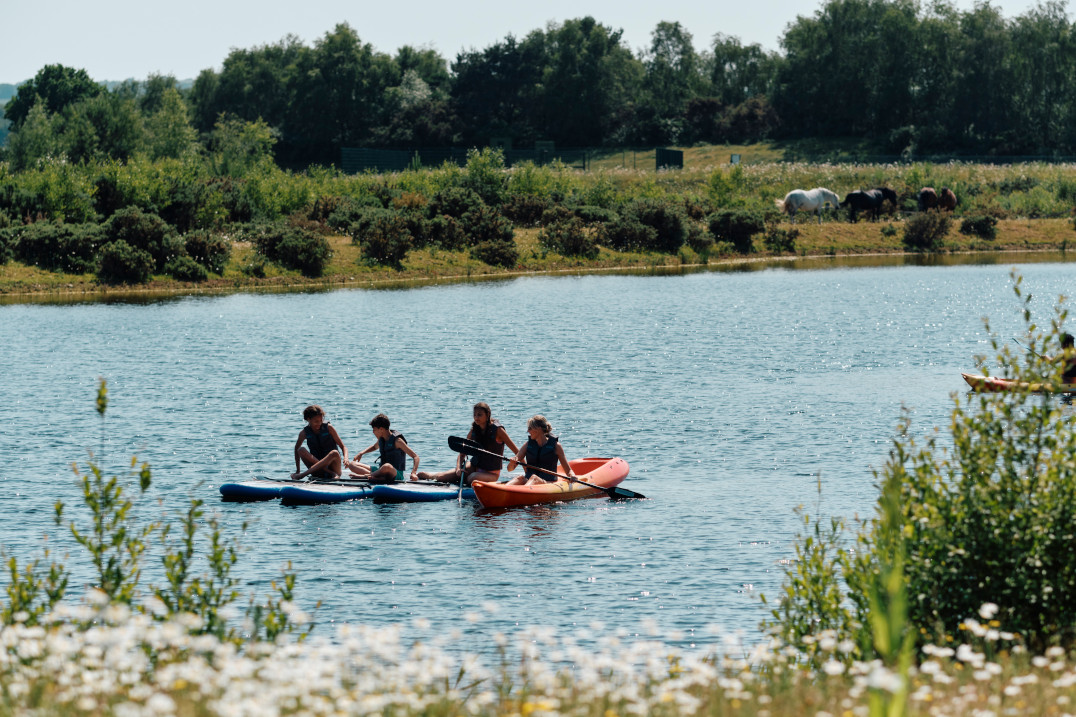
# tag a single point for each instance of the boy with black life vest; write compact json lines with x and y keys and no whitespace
{"x":542,"y":450}
{"x":321,"y":456}
{"x":393,"y":450}
{"x":489,"y":434}
{"x":1067,"y":359}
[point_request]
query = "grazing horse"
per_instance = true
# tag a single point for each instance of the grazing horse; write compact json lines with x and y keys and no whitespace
{"x":890,"y":196}
{"x":809,"y":200}
{"x":928,"y":199}
{"x":864,"y":200}
{"x":947,"y":200}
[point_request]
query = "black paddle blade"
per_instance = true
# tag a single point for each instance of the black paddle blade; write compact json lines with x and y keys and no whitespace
{"x":462,"y":445}
{"x":624,"y":494}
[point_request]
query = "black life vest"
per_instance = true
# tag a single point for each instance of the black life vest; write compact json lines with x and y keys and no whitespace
{"x":390,"y":453}
{"x":542,"y":457}
{"x":488,"y":440}
{"x":320,"y":443}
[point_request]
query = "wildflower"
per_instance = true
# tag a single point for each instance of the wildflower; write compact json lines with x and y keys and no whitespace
{"x":988,"y":610}
{"x":833,"y":668}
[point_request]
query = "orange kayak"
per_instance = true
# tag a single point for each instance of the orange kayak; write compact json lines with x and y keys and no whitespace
{"x":993,"y":384}
{"x":606,"y":472}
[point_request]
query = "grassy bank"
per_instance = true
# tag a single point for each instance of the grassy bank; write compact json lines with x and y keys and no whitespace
{"x":832,"y":238}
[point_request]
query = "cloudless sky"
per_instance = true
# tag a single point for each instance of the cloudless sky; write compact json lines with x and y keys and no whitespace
{"x":120,"y":39}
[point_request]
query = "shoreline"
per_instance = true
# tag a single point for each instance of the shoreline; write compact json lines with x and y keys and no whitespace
{"x":92,"y":293}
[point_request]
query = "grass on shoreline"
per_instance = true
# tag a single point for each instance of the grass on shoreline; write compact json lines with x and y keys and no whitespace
{"x":831,"y":238}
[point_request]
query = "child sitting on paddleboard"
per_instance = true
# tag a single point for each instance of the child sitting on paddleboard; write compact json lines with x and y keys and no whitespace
{"x":491,"y":436}
{"x":542,"y":450}
{"x":393,"y":450}
{"x":321,"y":457}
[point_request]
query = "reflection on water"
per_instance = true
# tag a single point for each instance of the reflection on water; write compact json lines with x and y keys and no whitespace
{"x":733,"y":395}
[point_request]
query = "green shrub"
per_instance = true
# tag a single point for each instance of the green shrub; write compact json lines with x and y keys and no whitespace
{"x":210,"y":250}
{"x":121,"y":263}
{"x":569,"y":237}
{"x":185,"y":268}
{"x":454,"y":202}
{"x":486,"y":224}
{"x":983,"y":226}
{"x":555,"y":215}
{"x":738,"y":227}
{"x":497,"y":252}
{"x":983,"y":516}
{"x":293,"y":248}
{"x":889,"y":231}
{"x":926,"y":230}
{"x":147,"y":232}
{"x":383,"y":236}
{"x":446,"y":232}
{"x":666,"y":219}
{"x":780,"y":241}
{"x":7,"y":242}
{"x":627,"y":233}
{"x":699,"y":239}
{"x":348,"y":210}
{"x":485,"y":174}
{"x":591,"y":214}
{"x":525,"y":210}
{"x":54,"y":246}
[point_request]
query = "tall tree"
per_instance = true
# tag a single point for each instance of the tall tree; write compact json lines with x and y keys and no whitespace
{"x":672,"y":78}
{"x":56,"y":86}
{"x":494,"y":90}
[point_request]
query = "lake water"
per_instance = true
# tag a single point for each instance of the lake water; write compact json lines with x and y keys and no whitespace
{"x":732,"y":395}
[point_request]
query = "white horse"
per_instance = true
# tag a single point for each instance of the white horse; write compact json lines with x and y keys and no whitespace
{"x":809,"y":200}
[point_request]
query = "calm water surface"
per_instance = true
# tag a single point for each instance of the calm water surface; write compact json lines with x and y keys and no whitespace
{"x":733,"y":396}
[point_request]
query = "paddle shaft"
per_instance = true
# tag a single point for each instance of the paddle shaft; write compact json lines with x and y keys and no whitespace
{"x":462,"y":445}
{"x":1025,"y":346}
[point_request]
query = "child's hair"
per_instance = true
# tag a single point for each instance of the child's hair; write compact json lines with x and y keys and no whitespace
{"x":485,"y":407}
{"x":380,"y":421}
{"x":540,"y":422}
{"x":311,"y":411}
{"x":1066,"y":340}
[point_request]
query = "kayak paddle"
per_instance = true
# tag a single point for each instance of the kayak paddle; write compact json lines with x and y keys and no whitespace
{"x":462,"y":445}
{"x":1024,"y":346}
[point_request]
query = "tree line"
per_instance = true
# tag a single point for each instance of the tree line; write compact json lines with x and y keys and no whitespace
{"x":908,"y":78}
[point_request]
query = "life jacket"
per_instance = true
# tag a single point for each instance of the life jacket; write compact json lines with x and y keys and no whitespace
{"x":488,"y":440}
{"x":319,"y":443}
{"x":390,"y":453}
{"x":542,"y":457}
{"x":1068,"y":371}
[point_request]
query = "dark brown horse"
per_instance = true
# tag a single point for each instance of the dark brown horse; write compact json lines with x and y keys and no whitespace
{"x":928,"y":199}
{"x":864,"y":200}
{"x":947,"y":200}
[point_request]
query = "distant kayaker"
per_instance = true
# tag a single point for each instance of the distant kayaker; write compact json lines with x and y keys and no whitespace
{"x":321,"y":457}
{"x":542,"y":450}
{"x":490,"y":434}
{"x":1067,"y":357}
{"x":393,"y":450}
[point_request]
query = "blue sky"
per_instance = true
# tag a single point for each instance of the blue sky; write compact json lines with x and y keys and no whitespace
{"x":118,"y":39}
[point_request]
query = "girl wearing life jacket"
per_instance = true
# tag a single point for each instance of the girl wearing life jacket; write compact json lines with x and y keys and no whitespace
{"x":542,"y":450}
{"x":393,"y":450}
{"x":321,"y":456}
{"x":488,"y":433}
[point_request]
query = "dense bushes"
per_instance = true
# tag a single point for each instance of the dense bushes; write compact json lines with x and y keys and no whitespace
{"x":985,"y":227}
{"x":926,"y":230}
{"x":569,"y":237}
{"x":54,"y":246}
{"x":293,"y":248}
{"x":212,"y":251}
{"x":383,"y":235}
{"x":121,"y":263}
{"x":738,"y":227}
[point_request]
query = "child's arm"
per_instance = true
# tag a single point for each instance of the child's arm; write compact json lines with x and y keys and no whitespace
{"x":502,"y":436}
{"x":298,"y":445}
{"x":360,"y":454}
{"x":339,"y":442}
{"x":407,"y":449}
{"x":564,"y":460}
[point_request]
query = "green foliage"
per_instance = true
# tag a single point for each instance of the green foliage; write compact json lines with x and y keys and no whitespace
{"x":384,"y":237}
{"x":145,"y":232}
{"x":666,"y":219}
{"x":455,"y":202}
{"x":485,"y":174}
{"x":241,"y":147}
{"x":983,"y":518}
{"x":627,"y":233}
{"x":120,"y":263}
{"x":728,"y":188}
{"x":446,"y":232}
{"x":496,"y":252}
{"x":53,"y":89}
{"x":525,"y":210}
{"x":293,"y":248}
{"x":569,"y":237}
{"x":210,"y":250}
{"x":55,"y":246}
{"x":780,"y":241}
{"x":185,"y":268}
{"x":486,"y":224}
{"x":738,"y":227}
{"x":31,"y":594}
{"x":889,"y":231}
{"x":594,"y":215}
{"x":983,"y":226}
{"x":926,"y":230}
{"x":346,"y":211}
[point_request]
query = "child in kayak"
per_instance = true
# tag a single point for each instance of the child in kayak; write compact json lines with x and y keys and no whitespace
{"x":542,"y":450}
{"x":1067,"y":357}
{"x":321,"y":457}
{"x":488,"y":433}
{"x":393,"y":450}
